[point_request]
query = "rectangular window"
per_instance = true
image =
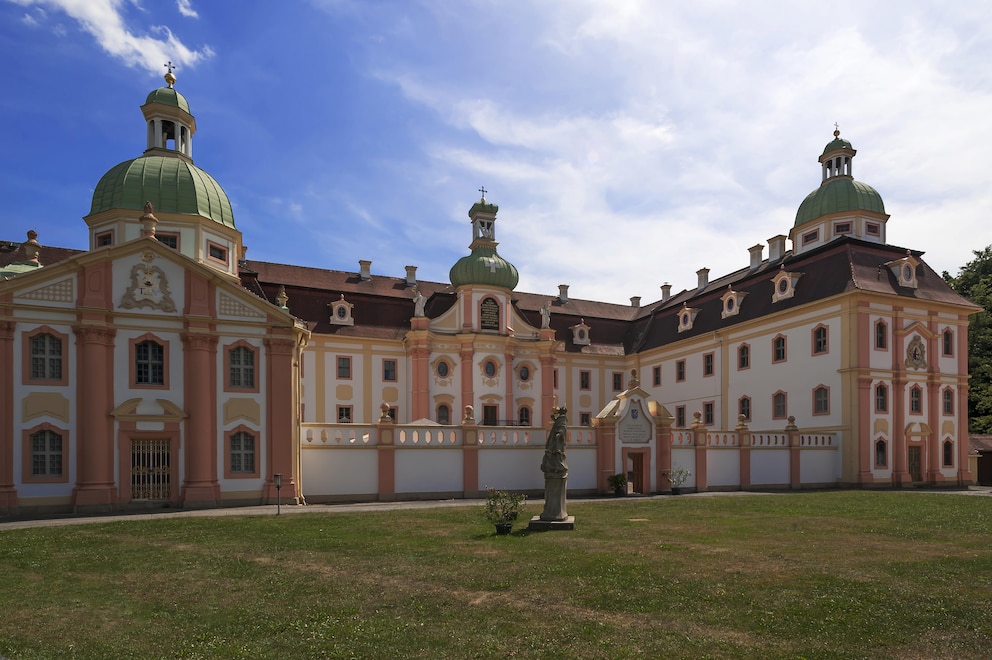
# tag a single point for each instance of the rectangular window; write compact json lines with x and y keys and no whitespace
{"x":104,"y":239}
{"x":617,"y":381}
{"x":708,"y":364}
{"x":555,"y":378}
{"x":656,"y":376}
{"x":842,"y":228}
{"x":585,"y":419}
{"x":444,"y":414}
{"x":744,"y":408}
{"x":811,"y":236}
{"x":217,"y":252}
{"x":680,"y":417}
{"x":948,"y":401}
{"x":490,"y":415}
{"x":881,"y":398}
{"x":344,"y":367}
{"x":242,"y":453}
{"x":149,"y":363}
{"x":871,"y":229}
{"x":948,"y":343}
{"x":389,"y":370}
{"x":168,"y":240}
{"x":680,"y":371}
{"x":584,"y":380}
{"x":241,"y":368}
{"x":46,"y":454}
{"x":46,"y":357}
{"x":344,"y":415}
{"x":708,"y":413}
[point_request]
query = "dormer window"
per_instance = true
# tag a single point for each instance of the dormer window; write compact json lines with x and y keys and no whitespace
{"x":341,"y":312}
{"x":580,"y":333}
{"x":687,"y":315}
{"x":785,"y":284}
{"x":905,"y":270}
{"x":732,"y":302}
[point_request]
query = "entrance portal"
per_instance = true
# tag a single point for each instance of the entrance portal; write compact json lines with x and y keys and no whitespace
{"x":150,"y":470}
{"x":916,"y":463}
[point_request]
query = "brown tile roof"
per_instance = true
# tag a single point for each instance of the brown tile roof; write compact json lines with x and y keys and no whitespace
{"x":980,"y":442}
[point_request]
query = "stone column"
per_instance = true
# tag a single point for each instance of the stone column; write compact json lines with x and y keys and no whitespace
{"x":200,"y":487}
{"x":744,"y":437}
{"x":866,"y":443}
{"x":795,"y":453}
{"x":282,"y":432}
{"x":386,"y":455}
{"x":95,"y":485}
{"x":699,"y":440}
{"x":470,"y":454}
{"x":663,"y":454}
{"x":8,"y":494}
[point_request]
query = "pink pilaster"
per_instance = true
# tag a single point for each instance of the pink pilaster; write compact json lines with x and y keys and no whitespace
{"x":8,"y":493}
{"x":95,"y":488}
{"x":282,"y":432}
{"x":200,"y":489}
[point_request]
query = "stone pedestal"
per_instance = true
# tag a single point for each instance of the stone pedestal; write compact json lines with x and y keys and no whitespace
{"x":555,"y":516}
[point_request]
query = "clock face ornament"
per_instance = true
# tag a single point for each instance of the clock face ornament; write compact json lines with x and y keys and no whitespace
{"x":916,"y":353}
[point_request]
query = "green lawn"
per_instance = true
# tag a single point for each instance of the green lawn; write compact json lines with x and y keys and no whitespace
{"x":833,"y":574}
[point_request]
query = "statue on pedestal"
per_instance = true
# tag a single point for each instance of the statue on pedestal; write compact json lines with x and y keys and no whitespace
{"x":555,"y":468}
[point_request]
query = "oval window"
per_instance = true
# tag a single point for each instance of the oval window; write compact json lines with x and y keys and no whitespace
{"x":907,"y":272}
{"x":524,"y":373}
{"x":783,"y":285}
{"x":582,"y":334}
{"x":342,"y":312}
{"x":442,"y":369}
{"x":490,"y":369}
{"x":730,"y":304}
{"x":685,"y":319}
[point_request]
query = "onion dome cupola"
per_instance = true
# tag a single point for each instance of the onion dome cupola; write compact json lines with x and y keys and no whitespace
{"x":841,"y":206}
{"x":484,"y":266}
{"x":193,"y":211}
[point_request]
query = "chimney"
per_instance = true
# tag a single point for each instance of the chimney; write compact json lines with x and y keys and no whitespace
{"x":635,"y":301}
{"x":776,"y":247}
{"x":666,"y":292}
{"x":703,"y":275}
{"x":563,"y":293}
{"x":757,"y":255}
{"x":366,"y":269}
{"x":411,"y":275}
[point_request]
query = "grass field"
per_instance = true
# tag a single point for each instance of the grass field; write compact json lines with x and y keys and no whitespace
{"x":831,"y":574}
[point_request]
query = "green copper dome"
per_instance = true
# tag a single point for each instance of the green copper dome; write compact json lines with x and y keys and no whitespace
{"x":836,"y":143}
{"x":485,"y":267}
{"x":168,"y":96}
{"x":172,"y":185}
{"x":838,"y":195}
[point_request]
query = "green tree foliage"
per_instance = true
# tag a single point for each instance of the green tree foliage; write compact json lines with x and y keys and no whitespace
{"x":974,"y":282}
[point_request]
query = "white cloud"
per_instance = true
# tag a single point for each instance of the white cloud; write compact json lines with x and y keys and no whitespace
{"x":186,"y":9}
{"x":103,"y":19}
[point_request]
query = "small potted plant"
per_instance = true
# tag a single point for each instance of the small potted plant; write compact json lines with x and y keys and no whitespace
{"x":502,"y":508}
{"x":618,"y":482}
{"x":677,"y":476}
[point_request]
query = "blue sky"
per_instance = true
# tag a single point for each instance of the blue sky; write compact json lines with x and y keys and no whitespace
{"x":628,"y":143}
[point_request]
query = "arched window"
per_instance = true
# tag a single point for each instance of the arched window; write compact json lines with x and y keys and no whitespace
{"x":948,"y":342}
{"x":881,"y":335}
{"x":743,"y":356}
{"x":778,"y":349}
{"x":881,"y":398}
{"x":881,"y":453}
{"x":523,"y":417}
{"x":744,"y":408}
{"x":948,"y":401}
{"x":46,"y":357}
{"x":444,"y":414}
{"x":948,"y":453}
{"x":821,"y":400}
{"x":916,"y":400}
{"x":780,"y":407}
{"x":820,"y":340}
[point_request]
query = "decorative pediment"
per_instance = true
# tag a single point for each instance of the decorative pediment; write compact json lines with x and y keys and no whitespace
{"x":61,"y":291}
{"x":228,"y":306}
{"x":146,"y":410}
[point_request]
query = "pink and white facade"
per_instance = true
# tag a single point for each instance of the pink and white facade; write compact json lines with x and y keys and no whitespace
{"x":157,"y":368}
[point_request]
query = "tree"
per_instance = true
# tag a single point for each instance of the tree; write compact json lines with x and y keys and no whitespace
{"x":974,"y":282}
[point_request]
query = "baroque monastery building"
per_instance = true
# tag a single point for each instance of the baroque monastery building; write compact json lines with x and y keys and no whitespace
{"x":160,"y":367}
